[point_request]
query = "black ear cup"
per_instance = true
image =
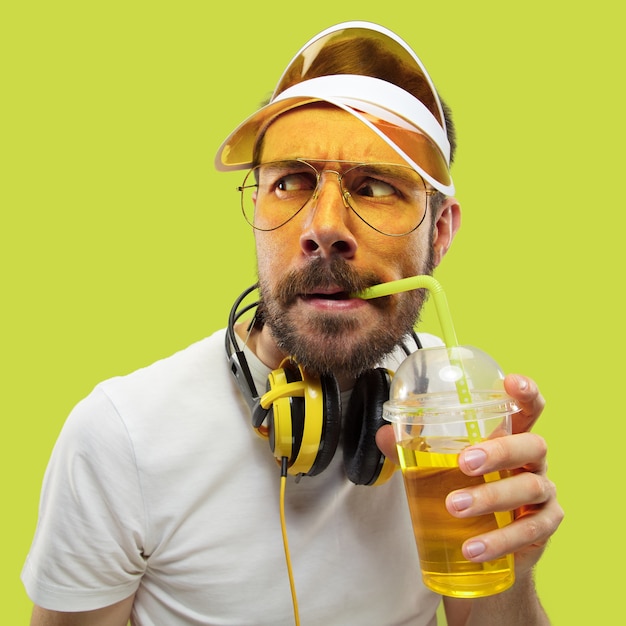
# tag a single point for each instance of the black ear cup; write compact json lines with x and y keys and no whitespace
{"x":363,"y":461}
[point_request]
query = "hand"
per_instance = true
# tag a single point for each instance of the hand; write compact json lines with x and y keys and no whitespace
{"x":528,"y":491}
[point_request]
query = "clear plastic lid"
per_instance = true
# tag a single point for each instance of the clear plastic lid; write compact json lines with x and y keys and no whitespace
{"x":447,"y":384}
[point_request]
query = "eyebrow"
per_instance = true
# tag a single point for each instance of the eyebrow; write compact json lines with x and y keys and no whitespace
{"x":273,"y":166}
{"x":405,"y":173}
{"x":398,"y":171}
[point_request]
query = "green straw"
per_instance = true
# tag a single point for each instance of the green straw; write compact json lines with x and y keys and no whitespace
{"x":450,"y":340}
{"x":418,"y":282}
{"x":447,"y":328}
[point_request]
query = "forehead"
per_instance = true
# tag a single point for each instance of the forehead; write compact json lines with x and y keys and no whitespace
{"x":324,"y":132}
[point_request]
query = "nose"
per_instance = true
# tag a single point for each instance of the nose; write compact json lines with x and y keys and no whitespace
{"x":326,"y":229}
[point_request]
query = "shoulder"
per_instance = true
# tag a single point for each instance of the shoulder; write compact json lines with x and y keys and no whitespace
{"x":171,"y":393}
{"x":197,"y":370}
{"x":429,"y":341}
{"x":393,"y":360}
{"x":194,"y":362}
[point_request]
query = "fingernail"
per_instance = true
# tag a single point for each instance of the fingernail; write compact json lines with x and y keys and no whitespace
{"x":523,"y":384}
{"x":474,"y":458}
{"x":461,"y":501}
{"x":475,"y":548}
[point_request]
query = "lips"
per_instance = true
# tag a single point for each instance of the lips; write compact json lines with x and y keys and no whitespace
{"x":335,"y":295}
{"x":331,"y":301}
{"x":322,"y":282}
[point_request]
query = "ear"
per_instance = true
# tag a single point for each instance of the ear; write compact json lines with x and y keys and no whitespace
{"x":447,"y":223}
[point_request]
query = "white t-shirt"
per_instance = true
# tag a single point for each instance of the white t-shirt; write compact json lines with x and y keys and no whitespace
{"x":159,"y":486}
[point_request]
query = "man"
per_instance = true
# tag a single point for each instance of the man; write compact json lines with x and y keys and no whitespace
{"x":160,"y":503}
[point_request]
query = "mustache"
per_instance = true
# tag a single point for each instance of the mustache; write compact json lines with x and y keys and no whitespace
{"x":319,"y":275}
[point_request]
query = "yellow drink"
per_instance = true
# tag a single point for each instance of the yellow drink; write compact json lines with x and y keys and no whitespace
{"x":431,"y":472}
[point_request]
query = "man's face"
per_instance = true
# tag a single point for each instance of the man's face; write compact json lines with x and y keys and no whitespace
{"x":308,"y":266}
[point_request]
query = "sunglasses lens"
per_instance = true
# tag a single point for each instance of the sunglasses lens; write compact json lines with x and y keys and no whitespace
{"x":272,"y":193}
{"x":390,"y":198}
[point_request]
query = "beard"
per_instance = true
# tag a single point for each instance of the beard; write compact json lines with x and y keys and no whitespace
{"x":329,"y":343}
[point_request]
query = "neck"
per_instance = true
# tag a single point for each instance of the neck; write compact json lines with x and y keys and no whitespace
{"x":264,"y":346}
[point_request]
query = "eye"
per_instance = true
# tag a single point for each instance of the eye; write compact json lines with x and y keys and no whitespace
{"x":294,"y":184}
{"x":374,"y":188}
{"x":297,"y":181}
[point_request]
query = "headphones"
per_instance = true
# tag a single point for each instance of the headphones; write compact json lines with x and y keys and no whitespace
{"x":300,"y":414}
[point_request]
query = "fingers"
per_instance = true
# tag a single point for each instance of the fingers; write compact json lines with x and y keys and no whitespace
{"x":525,"y":450}
{"x":525,"y":391}
{"x":520,"y":459}
{"x":527,"y":536}
{"x":528,"y":491}
{"x":507,"y":494}
{"x":386,"y":442}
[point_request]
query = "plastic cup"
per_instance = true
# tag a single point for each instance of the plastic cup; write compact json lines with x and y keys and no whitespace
{"x":442,"y":400}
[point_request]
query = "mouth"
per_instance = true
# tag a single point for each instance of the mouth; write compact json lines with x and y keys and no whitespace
{"x":327,"y":295}
{"x":331,"y":301}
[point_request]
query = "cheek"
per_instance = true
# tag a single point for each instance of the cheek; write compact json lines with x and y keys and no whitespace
{"x":407,"y":255}
{"x":419,"y":249}
{"x":272,"y":255}
{"x":263,"y":263}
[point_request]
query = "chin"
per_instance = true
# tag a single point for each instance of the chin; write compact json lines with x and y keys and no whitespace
{"x":345,"y":350}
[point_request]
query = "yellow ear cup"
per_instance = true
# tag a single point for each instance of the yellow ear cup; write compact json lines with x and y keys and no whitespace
{"x":309,"y":422}
{"x":296,"y":416}
{"x":279,"y":398}
{"x":386,"y":472}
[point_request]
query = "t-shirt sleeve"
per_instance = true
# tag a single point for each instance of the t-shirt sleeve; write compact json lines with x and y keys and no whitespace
{"x":88,"y":547}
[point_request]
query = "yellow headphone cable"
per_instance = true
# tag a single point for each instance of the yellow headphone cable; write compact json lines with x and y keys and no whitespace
{"x":283,"y":527}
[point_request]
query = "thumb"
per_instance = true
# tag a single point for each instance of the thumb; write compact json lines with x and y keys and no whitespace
{"x":386,"y":442}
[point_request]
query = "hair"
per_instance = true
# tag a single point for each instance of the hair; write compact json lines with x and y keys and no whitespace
{"x":450,"y":128}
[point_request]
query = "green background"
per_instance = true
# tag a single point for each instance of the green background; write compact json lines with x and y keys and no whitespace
{"x":121,"y":244}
